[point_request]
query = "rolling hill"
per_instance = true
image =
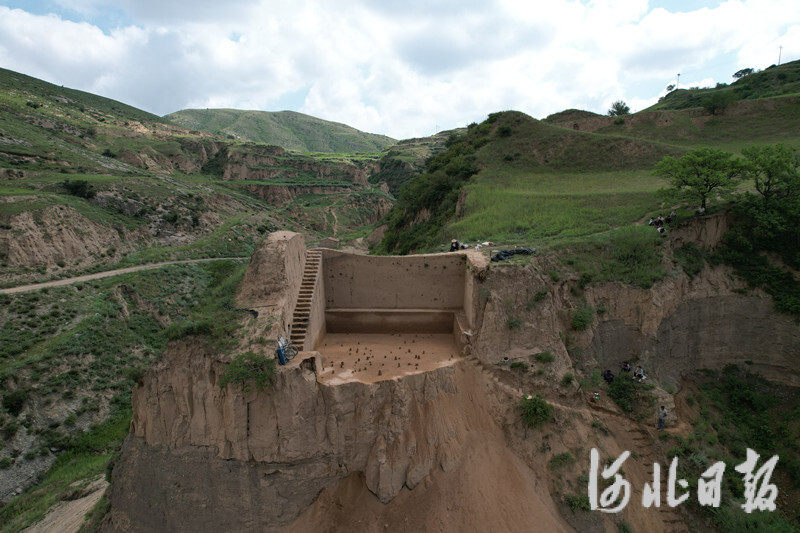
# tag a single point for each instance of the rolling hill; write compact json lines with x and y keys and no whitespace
{"x":287,"y":129}
{"x":776,"y":80}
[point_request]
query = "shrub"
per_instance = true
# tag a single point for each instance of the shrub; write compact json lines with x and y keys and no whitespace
{"x":518,"y":365}
{"x":80,"y":188}
{"x":578,"y":502}
{"x":567,"y":379}
{"x":561,"y":460}
{"x":544,"y":357}
{"x":718,"y":102}
{"x":582,"y":318}
{"x":134,"y":373}
{"x":109,"y":153}
{"x":248,"y":367}
{"x":504,"y":131}
{"x":535,"y":411}
{"x":513,"y":322}
{"x":691,"y":258}
{"x":13,"y":401}
{"x":624,"y":391}
{"x":5,"y":462}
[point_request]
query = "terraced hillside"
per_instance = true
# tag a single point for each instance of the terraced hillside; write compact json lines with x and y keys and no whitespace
{"x":288,"y":129}
{"x":88,"y":183}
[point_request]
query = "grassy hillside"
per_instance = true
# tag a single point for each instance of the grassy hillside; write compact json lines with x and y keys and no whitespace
{"x":287,"y":129}
{"x":772,"y":81}
{"x":518,"y":179}
{"x":79,"y":102}
{"x":742,"y":123}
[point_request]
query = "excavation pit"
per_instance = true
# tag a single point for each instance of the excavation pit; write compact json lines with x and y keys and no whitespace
{"x":373,"y":318}
{"x":371,"y":357}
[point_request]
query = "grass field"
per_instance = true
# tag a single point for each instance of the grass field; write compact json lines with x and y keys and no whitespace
{"x":538,"y":208}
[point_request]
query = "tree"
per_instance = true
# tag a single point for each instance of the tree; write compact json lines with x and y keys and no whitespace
{"x":739,"y":74}
{"x":670,"y":87}
{"x":619,"y":108}
{"x":81,"y":188}
{"x":774,"y":169}
{"x":718,"y":102}
{"x":698,"y":174}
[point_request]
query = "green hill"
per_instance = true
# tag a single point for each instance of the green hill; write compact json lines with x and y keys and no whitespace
{"x":287,"y":129}
{"x":514,"y":177}
{"x":772,"y":81}
{"x":76,"y":103}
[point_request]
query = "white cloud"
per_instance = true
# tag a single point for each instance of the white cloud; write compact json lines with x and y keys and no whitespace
{"x":404,"y":69}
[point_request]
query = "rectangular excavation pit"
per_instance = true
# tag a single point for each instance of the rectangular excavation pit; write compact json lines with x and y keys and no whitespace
{"x":371,"y":357}
{"x":378,"y":317}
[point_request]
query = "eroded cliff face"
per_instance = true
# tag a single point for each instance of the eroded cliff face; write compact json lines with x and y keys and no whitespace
{"x":58,"y":234}
{"x":442,"y":450}
{"x":263,"y":457}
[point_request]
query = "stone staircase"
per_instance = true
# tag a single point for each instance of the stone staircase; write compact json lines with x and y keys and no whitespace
{"x":302,"y":308}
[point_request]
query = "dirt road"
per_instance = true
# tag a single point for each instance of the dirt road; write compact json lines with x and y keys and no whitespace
{"x":106,"y":274}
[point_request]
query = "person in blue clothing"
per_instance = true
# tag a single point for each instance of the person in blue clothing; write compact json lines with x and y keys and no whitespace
{"x":282,"y":350}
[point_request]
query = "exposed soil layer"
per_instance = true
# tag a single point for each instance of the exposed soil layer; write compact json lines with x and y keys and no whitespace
{"x":371,"y":357}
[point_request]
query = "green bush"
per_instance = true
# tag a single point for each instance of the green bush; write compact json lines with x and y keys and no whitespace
{"x":13,"y":401}
{"x":771,"y":227}
{"x":545,"y":357}
{"x":582,"y":317}
{"x":691,"y":258}
{"x":535,"y":411}
{"x":513,"y":322}
{"x":561,"y":460}
{"x":81,"y":188}
{"x":518,"y":365}
{"x":567,"y":379}
{"x":578,"y":502}
{"x":248,"y":367}
{"x":625,"y":391}
{"x":718,"y":102}
{"x":6,"y":462}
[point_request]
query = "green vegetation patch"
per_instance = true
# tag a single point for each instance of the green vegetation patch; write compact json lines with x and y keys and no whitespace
{"x":630,"y":254}
{"x":535,"y":411}
{"x":246,"y":368}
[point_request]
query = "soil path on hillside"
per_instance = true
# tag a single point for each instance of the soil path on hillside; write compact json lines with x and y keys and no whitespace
{"x":106,"y":274}
{"x":67,"y":516}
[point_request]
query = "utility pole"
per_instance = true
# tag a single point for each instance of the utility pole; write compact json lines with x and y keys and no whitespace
{"x":678,"y":83}
{"x":780,"y":49}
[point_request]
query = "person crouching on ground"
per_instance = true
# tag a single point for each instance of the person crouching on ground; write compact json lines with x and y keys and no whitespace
{"x":454,"y":246}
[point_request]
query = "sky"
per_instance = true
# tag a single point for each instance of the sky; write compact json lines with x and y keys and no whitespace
{"x":404,"y":69}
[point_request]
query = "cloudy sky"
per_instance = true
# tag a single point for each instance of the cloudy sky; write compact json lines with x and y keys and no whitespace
{"x":402,"y":68}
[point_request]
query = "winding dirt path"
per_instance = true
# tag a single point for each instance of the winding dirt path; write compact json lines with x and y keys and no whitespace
{"x":106,"y":274}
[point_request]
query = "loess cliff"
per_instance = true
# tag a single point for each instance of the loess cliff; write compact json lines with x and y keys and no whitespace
{"x":444,"y":449}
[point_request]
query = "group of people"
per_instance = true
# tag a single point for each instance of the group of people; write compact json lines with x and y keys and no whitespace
{"x":638,"y":374}
{"x":660,"y":222}
{"x":456,"y":246}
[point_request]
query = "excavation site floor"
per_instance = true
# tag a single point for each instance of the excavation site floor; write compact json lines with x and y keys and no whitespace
{"x":371,"y":357}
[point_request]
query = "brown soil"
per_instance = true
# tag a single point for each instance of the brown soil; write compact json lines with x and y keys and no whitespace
{"x":67,"y":516}
{"x":372,"y":357}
